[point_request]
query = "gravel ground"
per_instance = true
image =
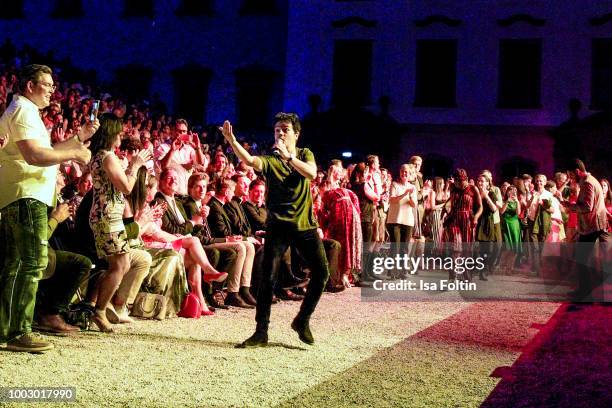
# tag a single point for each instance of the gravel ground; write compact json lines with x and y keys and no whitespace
{"x":367,"y":353}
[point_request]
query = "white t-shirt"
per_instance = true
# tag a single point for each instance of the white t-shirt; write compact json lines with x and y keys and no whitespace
{"x":21,"y":121}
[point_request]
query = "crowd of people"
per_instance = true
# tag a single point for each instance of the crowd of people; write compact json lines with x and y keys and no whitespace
{"x":139,"y":202}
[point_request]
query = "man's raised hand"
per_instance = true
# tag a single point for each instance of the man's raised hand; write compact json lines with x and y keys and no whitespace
{"x":228,"y":131}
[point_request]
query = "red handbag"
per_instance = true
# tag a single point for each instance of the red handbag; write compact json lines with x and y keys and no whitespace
{"x":191,"y":307}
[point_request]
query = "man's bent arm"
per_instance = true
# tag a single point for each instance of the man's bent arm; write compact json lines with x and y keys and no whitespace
{"x":35,"y":155}
{"x":306,"y":169}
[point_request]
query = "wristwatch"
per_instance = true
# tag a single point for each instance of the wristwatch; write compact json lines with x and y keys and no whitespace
{"x":291,"y":157}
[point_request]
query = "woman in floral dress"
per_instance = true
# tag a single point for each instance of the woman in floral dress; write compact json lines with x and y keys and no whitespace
{"x":110,"y":183}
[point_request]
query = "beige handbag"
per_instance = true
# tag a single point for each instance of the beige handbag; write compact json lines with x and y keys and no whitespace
{"x":150,"y":306}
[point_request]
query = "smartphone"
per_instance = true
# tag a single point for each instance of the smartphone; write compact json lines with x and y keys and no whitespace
{"x":94,"y":110}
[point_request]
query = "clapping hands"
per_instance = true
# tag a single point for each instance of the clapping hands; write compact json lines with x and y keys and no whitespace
{"x":4,"y":141}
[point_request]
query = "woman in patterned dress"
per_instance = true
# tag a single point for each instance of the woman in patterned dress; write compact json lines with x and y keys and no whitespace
{"x":341,"y":221}
{"x":110,"y":183}
{"x":435,"y":204}
{"x":465,"y":209}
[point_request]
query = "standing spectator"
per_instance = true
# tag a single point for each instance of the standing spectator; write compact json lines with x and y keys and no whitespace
{"x":28,"y":173}
{"x":511,"y":231}
{"x":341,"y":221}
{"x":605,"y":187}
{"x":592,"y":227}
{"x":436,"y":203}
{"x":401,"y":217}
{"x":110,"y":183}
{"x":185,"y":152}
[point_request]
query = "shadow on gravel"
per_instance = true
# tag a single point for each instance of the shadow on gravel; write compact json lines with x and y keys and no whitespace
{"x":447,"y":364}
{"x":156,"y":338}
{"x":567,"y":365}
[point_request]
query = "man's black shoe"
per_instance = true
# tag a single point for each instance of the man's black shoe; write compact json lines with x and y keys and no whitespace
{"x":234,"y":299}
{"x":289,"y":295}
{"x":296,"y":283}
{"x":245,"y":294}
{"x":302,"y":328}
{"x":256,"y":340}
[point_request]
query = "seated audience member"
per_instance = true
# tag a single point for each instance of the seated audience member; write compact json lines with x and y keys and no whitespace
{"x":60,"y":281}
{"x":255,"y":207}
{"x":238,"y":286}
{"x":238,"y":218}
{"x":176,"y":221}
{"x":149,"y":220}
{"x":217,"y":169}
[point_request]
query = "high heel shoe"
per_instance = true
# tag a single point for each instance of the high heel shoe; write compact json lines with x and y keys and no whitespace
{"x":100,"y":320}
{"x":207,"y":313}
{"x":215,"y":277}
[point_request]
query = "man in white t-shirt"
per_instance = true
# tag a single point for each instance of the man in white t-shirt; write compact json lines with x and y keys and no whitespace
{"x":184,"y":153}
{"x":28,"y":170}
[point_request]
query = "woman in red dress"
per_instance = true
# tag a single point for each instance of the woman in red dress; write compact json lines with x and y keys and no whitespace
{"x":340,"y":220}
{"x":465,"y":209}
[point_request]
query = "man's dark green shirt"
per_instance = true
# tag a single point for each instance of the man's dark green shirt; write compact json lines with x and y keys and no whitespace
{"x":289,"y":199}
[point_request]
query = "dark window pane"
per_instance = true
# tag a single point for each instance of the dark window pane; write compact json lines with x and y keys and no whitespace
{"x":254,"y":91}
{"x":601,"y":78}
{"x":352,"y":75}
{"x":138,"y":8}
{"x":12,"y":9}
{"x":258,"y":7}
{"x":67,"y":9}
{"x":519,"y":74}
{"x":195,"y":8}
{"x":436,"y":73}
{"x":191,"y":92}
{"x":134,"y":81}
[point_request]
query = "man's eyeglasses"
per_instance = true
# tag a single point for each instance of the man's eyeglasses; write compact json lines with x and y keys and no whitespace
{"x":48,"y":85}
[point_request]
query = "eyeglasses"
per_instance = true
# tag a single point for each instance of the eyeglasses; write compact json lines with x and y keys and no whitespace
{"x":48,"y":85}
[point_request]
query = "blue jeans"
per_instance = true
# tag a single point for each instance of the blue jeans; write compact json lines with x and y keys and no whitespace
{"x":23,"y":232}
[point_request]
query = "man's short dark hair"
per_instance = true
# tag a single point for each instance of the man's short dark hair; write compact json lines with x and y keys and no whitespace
{"x":32,"y":73}
{"x":579,"y":164}
{"x":289,"y":117}
{"x":257,"y":182}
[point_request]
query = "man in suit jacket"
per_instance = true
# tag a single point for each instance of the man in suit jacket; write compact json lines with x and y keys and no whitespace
{"x":217,"y":224}
{"x":238,"y":218}
{"x":176,"y":221}
{"x":255,"y":208}
{"x":592,"y":227}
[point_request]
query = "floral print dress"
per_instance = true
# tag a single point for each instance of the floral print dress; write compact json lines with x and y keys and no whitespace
{"x":106,"y":215}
